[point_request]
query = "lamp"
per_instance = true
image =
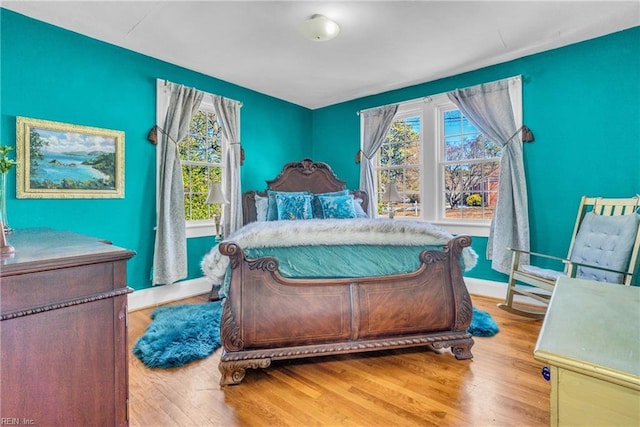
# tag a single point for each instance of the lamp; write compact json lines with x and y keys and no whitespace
{"x":319,"y":28}
{"x":5,"y":248}
{"x":216,"y":197}
{"x":391,"y":195}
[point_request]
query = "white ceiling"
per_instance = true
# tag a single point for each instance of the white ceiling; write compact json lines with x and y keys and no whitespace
{"x":382,"y":45}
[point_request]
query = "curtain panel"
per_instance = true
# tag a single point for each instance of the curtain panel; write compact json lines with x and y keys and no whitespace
{"x":375,"y":123}
{"x":489,"y":108}
{"x":228,"y":112}
{"x":170,"y":250}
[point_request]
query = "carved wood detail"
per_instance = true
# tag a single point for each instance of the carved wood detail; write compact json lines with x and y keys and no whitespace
{"x":233,"y":372}
{"x":306,"y":175}
{"x":66,"y":304}
{"x":229,"y":330}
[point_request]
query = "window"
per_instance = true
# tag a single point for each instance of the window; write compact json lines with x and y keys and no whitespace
{"x":201,"y":158}
{"x":399,"y":162}
{"x":446,"y":171}
{"x":468,"y":165}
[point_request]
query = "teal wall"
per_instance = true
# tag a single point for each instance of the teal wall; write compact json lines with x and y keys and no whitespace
{"x":582,"y":102}
{"x":53,"y":74}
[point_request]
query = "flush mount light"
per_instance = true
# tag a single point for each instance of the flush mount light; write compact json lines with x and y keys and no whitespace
{"x":319,"y":28}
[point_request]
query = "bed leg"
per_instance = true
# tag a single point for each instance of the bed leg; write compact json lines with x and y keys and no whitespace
{"x":462,"y":349}
{"x":232,"y":372}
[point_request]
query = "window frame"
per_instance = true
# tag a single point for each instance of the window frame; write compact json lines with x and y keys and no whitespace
{"x":431,"y":110}
{"x":204,"y":227}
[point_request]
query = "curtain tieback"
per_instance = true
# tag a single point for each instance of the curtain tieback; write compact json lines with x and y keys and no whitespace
{"x":359,"y":155}
{"x":527,"y":135}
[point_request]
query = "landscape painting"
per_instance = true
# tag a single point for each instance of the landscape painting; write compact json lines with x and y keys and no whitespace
{"x":59,"y":160}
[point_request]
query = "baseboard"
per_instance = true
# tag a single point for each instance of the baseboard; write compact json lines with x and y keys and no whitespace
{"x":151,"y":297}
{"x":498,"y":290}
{"x":486,"y":288}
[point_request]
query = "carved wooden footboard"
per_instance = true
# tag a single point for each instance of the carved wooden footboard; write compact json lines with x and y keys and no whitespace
{"x":269,"y":317}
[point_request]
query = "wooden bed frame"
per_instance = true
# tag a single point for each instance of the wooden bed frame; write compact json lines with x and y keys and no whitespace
{"x":269,"y":317}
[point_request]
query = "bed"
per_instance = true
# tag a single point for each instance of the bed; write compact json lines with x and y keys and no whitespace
{"x":275,"y":310}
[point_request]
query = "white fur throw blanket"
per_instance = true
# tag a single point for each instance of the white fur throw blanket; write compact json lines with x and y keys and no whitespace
{"x":379,"y":231}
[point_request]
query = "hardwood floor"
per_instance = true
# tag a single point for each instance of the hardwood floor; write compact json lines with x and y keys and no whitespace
{"x":501,"y":386}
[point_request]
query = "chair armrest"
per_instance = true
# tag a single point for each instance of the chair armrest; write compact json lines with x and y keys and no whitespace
{"x":597,"y":267}
{"x":537,"y":254}
{"x":571,"y":263}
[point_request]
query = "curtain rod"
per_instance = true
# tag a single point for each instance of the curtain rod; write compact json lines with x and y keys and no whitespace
{"x":428,"y":97}
{"x":167,"y":83}
{"x":422,"y":98}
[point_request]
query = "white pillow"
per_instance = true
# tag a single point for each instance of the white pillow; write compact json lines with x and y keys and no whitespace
{"x":261,"y":207}
{"x":360,"y":213}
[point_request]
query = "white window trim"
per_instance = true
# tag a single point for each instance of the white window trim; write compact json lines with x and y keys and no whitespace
{"x":429,"y":108}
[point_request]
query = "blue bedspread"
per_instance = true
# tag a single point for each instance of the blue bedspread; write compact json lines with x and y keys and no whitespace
{"x":339,"y":261}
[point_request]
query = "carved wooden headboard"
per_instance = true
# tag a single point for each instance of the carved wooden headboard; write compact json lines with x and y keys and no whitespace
{"x":306,"y":175}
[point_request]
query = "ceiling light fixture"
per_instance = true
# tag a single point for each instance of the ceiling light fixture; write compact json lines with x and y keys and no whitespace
{"x":319,"y":28}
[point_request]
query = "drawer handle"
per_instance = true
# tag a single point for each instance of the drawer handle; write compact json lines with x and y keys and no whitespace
{"x":546,"y":373}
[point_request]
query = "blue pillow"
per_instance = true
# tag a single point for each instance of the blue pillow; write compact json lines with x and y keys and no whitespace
{"x":338,"y":206}
{"x":317,"y":207}
{"x":272,"y":208}
{"x":605,"y":241}
{"x":294,"y":206}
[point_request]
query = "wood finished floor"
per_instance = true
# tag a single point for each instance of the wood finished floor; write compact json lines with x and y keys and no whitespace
{"x":501,"y":386}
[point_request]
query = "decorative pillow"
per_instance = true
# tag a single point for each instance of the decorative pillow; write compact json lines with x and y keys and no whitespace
{"x":337,"y":206}
{"x":261,"y":207}
{"x":317,"y":207}
{"x":604,"y":241}
{"x":272,"y":208}
{"x":297,"y":206}
{"x":360,"y":213}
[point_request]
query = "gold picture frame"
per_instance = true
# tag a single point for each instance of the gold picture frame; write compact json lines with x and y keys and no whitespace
{"x":65,"y":161}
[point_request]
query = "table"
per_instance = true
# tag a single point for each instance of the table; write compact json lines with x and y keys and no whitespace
{"x":590,"y":339}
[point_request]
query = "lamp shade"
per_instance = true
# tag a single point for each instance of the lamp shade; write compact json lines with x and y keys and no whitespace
{"x":319,"y":28}
{"x":391,"y":193}
{"x":216,"y":195}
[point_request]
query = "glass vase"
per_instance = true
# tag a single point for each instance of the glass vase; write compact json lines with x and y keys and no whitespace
{"x":3,"y":203}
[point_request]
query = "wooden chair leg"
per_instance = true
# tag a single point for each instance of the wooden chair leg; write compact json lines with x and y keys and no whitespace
{"x":515,"y":260}
{"x":507,"y":305}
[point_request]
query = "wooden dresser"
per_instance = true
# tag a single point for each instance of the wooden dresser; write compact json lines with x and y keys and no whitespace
{"x":63,"y":330}
{"x":590,"y":339}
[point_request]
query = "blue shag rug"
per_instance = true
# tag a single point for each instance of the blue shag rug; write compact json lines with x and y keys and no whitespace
{"x":482,"y":324}
{"x":179,"y":334}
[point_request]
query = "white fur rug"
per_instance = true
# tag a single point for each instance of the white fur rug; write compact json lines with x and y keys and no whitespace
{"x":379,"y":231}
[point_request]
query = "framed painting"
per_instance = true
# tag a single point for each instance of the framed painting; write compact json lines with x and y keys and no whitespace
{"x":65,"y":161}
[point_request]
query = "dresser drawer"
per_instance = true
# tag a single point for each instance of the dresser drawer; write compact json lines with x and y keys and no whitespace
{"x":28,"y":291}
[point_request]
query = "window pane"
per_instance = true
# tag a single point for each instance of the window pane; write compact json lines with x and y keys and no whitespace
{"x":383,"y":157}
{"x":453,"y":148}
{"x":453,"y":178}
{"x":413,"y":153}
{"x":201,"y":155}
{"x":404,"y":130}
{"x":470,"y":190}
{"x":463,"y":141}
{"x":467,"y":127}
{"x":452,"y":122}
